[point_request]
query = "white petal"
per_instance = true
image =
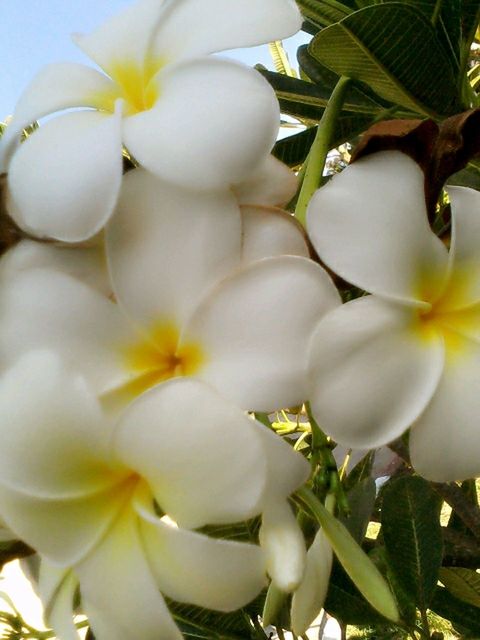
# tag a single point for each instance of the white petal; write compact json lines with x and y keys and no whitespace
{"x":372,"y":372}
{"x":444,"y":443}
{"x":369,"y":224}
{"x":56,"y":87}
{"x":207,"y":572}
{"x":41,"y":308}
{"x":463,"y":288}
{"x":255,"y":329}
{"x":308,"y":599}
{"x":207,"y":26}
{"x":87,"y":264}
{"x":119,"y":593}
{"x":57,"y":591}
{"x":282,"y":541}
{"x":166,"y":245}
{"x":64,"y":179}
{"x":269,"y":232}
{"x":65,"y":530}
{"x":54,"y":438}
{"x":273,"y":184}
{"x":125,"y":37}
{"x":214,"y":122}
{"x":201,"y":455}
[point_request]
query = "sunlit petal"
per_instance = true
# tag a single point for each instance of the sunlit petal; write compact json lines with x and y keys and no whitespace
{"x":229,"y":123}
{"x":255,"y":329}
{"x":64,"y":179}
{"x":369,"y":225}
{"x":201,"y":455}
{"x":167,"y":245}
{"x":57,"y":589}
{"x":373,"y":372}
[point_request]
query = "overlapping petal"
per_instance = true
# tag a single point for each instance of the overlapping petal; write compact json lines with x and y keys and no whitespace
{"x":57,"y":589}
{"x":237,"y":24}
{"x":157,"y":435}
{"x":444,"y":443}
{"x":56,"y":87}
{"x":64,"y":180}
{"x":269,"y":232}
{"x":189,"y":567}
{"x":369,"y":225}
{"x":272,"y":184}
{"x":47,"y":309}
{"x":373,"y":372}
{"x":229,"y":124}
{"x":166,"y":246}
{"x":255,"y":327}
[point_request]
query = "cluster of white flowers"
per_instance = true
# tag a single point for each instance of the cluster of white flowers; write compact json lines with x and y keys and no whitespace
{"x":129,"y":362}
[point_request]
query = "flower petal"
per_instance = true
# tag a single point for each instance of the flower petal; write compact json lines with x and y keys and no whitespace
{"x":208,"y":26}
{"x":189,"y":567}
{"x":55,"y":88}
{"x":369,"y":224}
{"x":167,"y":245}
{"x":119,"y":593}
{"x":229,"y":121}
{"x":86,"y":264}
{"x":272,"y":185}
{"x":41,"y":308}
{"x":463,"y":289}
{"x":444,"y":443}
{"x":282,"y":541}
{"x":255,"y":329}
{"x":50,"y":415}
{"x":64,"y":179}
{"x":201,"y":455}
{"x":57,"y":589}
{"x":125,"y":37}
{"x":269,"y":232}
{"x":308,"y":599}
{"x":373,"y":372}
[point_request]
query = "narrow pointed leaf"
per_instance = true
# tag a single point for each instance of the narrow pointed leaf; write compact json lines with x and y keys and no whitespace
{"x":464,"y":584}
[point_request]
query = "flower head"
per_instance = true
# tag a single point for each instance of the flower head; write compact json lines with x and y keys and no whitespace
{"x":203,"y":122}
{"x":408,"y":354}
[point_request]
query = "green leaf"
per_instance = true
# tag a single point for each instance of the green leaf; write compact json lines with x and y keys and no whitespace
{"x":468,"y":177}
{"x":464,"y":584}
{"x":361,"y":499}
{"x":413,"y":537}
{"x":345,"y":603}
{"x":455,"y":610}
{"x":374,"y":45}
{"x":322,"y":13}
{"x":202,"y":624}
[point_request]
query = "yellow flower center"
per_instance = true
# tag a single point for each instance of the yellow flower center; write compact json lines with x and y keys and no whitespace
{"x":134,"y":83}
{"x":157,"y":357}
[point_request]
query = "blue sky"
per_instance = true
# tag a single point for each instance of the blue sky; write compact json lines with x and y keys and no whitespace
{"x":36,"y":32}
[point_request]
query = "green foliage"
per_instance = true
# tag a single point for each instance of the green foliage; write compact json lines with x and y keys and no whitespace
{"x":412,"y":536}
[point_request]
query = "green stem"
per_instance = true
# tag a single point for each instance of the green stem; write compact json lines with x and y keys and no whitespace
{"x":436,"y":12}
{"x":320,"y":148}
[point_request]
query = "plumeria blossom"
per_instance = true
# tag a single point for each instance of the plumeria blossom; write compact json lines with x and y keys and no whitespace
{"x":113,"y":504}
{"x":407,"y":355}
{"x":189,"y":117}
{"x":201,"y":288}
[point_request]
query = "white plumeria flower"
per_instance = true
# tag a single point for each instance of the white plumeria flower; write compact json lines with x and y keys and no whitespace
{"x":80,"y":488}
{"x":409,"y":354}
{"x":192,"y":118}
{"x":196,"y":294}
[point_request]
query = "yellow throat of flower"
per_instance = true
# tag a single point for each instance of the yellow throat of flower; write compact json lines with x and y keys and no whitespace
{"x":134,"y":83}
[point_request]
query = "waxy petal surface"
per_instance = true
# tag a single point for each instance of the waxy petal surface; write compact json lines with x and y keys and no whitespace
{"x":159,"y":433}
{"x":65,"y":178}
{"x":167,"y":245}
{"x":444,"y":443}
{"x":208,"y":26}
{"x":369,"y":224}
{"x":229,"y":122}
{"x":189,"y":567}
{"x":269,"y":232}
{"x":255,"y":329}
{"x":273,"y":184}
{"x":373,"y":372}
